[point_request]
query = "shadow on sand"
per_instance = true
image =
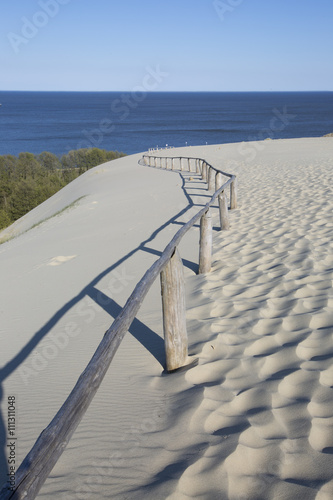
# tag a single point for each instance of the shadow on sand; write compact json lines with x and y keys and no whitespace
{"x":147,"y":337}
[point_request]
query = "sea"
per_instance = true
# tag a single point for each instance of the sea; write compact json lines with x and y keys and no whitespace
{"x":133,"y":122}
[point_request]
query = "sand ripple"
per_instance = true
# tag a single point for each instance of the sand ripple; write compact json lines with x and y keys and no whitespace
{"x":267,"y":364}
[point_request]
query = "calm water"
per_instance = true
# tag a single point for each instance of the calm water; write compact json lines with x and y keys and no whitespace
{"x":61,"y":121}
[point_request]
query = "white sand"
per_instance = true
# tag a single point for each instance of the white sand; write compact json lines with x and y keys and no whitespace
{"x":254,"y":420}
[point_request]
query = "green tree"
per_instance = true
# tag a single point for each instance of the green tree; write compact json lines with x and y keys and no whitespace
{"x":113,"y":155}
{"x":28,"y":180}
{"x":5,"y":219}
{"x":49,"y":161}
{"x":69,"y":160}
{"x":23,"y":198}
{"x":27,"y":166}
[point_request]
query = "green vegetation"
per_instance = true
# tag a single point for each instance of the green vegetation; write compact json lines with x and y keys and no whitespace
{"x":68,"y":207}
{"x":28,"y":180}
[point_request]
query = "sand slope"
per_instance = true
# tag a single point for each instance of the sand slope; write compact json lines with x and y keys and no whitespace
{"x":254,"y":419}
{"x":265,"y":372}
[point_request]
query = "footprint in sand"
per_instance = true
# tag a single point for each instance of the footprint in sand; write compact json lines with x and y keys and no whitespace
{"x":56,"y":261}
{"x":61,"y":259}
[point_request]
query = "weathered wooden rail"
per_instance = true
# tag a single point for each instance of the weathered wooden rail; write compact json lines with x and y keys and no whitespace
{"x":51,"y":443}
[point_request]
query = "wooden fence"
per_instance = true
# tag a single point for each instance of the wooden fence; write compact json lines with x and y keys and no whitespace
{"x":51,"y":443}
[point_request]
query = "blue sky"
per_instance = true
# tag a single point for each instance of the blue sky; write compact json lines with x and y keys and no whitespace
{"x":194,"y":45}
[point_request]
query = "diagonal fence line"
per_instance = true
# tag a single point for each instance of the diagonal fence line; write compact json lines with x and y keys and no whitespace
{"x":51,"y":443}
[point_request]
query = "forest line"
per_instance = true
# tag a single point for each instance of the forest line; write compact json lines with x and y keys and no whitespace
{"x":27,"y":180}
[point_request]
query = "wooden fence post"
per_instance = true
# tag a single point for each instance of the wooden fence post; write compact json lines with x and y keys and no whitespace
{"x":206,"y":241}
{"x":204,"y":172}
{"x":211,"y":180}
{"x":218,"y":180}
{"x":233,"y":195}
{"x":223,"y":206}
{"x":174,"y":313}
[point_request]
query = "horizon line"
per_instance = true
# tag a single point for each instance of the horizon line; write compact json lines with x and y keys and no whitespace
{"x":168,"y":91}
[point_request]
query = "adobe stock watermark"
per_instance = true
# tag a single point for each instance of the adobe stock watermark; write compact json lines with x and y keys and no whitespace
{"x":86,"y":309}
{"x":49,"y":9}
{"x":279,"y":122}
{"x":121,"y":108}
{"x":222,"y":8}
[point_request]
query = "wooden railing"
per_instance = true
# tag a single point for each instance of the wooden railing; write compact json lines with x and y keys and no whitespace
{"x":51,"y":443}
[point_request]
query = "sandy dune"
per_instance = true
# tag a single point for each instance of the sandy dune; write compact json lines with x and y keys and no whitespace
{"x":254,"y":419}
